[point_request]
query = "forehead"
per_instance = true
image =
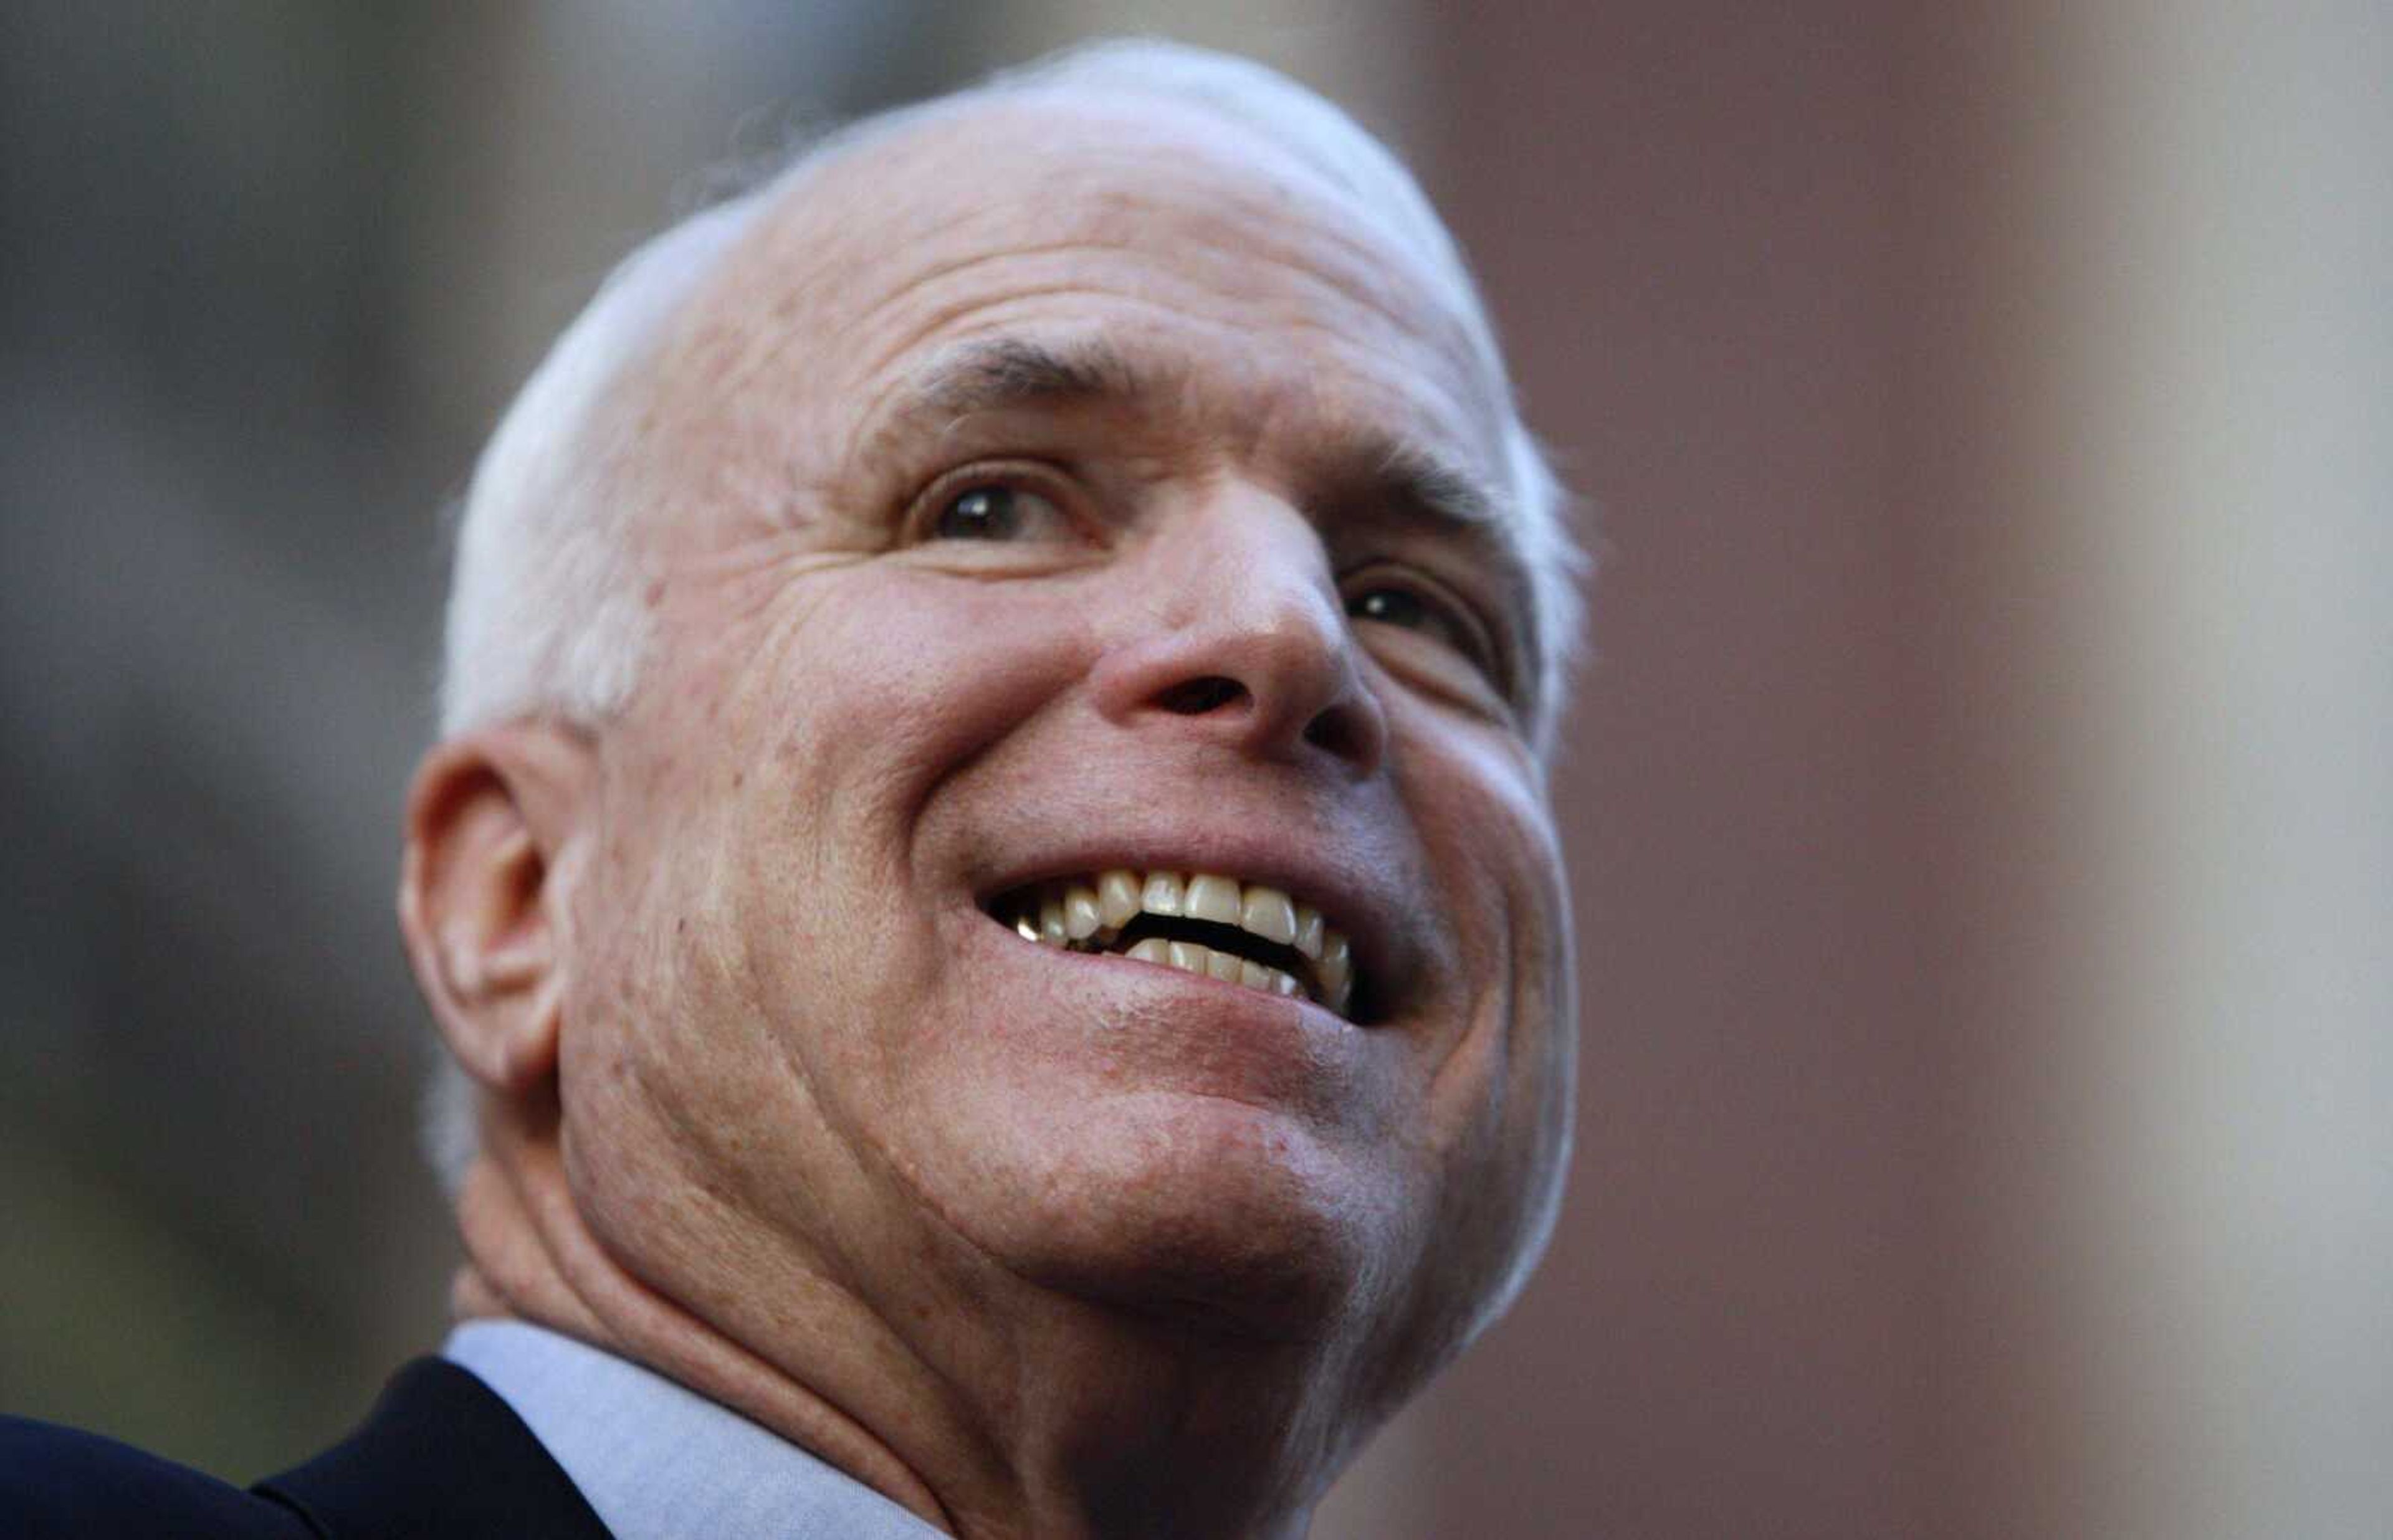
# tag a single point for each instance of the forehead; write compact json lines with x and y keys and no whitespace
{"x":1186,"y":246}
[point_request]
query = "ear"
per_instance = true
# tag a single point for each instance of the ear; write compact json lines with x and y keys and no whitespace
{"x":493,"y":819}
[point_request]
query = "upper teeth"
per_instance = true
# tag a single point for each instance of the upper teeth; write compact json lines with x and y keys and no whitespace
{"x":1087,"y":913}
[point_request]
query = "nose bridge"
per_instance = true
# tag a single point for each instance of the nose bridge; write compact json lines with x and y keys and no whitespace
{"x":1240,"y":637}
{"x":1249,"y":560}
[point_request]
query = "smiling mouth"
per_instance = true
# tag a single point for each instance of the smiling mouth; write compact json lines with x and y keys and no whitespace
{"x":1246,"y":934}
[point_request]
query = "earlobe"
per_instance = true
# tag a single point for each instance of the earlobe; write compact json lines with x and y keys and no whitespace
{"x":493,"y":818}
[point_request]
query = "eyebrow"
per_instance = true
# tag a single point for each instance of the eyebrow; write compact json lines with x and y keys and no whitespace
{"x":1432,"y":487}
{"x":1412,"y":484}
{"x":1015,"y":374}
{"x":1007,"y":372}
{"x":1002,"y":374}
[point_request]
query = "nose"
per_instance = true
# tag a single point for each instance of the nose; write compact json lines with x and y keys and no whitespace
{"x":1237,"y":635}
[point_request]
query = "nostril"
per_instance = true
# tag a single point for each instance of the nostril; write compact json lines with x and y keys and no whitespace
{"x":1196,"y":696}
{"x":1336,"y":732}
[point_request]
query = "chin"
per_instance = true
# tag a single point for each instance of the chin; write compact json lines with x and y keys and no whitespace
{"x":1207,"y":1213}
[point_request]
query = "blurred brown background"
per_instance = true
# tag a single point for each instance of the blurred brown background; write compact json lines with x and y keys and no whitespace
{"x":1978,"y":799}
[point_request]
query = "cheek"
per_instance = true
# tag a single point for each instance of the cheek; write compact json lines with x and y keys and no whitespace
{"x":806,"y":889}
{"x":1488,"y":835}
{"x":1502,"y":1090}
{"x":881,"y":691}
{"x":875,"y":707}
{"x":810,"y":739}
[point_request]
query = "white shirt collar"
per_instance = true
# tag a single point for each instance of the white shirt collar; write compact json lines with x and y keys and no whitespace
{"x":658,"y":1461}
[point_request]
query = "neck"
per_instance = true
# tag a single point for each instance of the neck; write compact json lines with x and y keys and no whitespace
{"x":1014,"y":1412}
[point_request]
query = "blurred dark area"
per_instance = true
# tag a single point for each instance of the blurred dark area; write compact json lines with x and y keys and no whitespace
{"x":1976,"y":799}
{"x":271,"y":271}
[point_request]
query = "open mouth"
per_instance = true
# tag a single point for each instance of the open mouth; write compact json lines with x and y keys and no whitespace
{"x":1246,"y":934}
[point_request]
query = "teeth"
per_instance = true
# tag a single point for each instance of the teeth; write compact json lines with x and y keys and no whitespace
{"x":1162,"y":894}
{"x":1117,"y":897}
{"x":1268,"y":913}
{"x":1308,"y":931}
{"x":1213,"y":898}
{"x":1088,"y":913}
{"x":1080,"y":918}
{"x":1335,"y":971}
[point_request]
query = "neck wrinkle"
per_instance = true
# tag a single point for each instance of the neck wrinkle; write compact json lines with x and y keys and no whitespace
{"x":529,"y":1256}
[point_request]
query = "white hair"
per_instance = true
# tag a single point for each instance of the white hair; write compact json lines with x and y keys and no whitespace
{"x":544,"y":606}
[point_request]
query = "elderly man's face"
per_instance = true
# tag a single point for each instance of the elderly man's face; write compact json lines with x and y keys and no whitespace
{"x":1047,"y":492}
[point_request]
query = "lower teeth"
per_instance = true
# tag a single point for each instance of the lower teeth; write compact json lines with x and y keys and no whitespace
{"x":1189,"y":957}
{"x":1045,"y":922}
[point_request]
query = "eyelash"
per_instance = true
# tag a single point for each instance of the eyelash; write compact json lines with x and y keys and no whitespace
{"x":1038,"y":479}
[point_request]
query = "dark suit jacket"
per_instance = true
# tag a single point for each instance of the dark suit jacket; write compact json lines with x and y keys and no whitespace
{"x":439,"y":1457}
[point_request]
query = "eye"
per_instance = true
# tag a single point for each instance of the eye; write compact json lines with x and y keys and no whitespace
{"x":997,"y":511}
{"x":1396,"y":608}
{"x":1401,"y":601}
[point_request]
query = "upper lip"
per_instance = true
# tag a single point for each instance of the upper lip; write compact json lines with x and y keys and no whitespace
{"x":1353,"y":895}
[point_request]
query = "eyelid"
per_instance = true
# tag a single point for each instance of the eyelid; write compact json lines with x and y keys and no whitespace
{"x":1489,"y":645}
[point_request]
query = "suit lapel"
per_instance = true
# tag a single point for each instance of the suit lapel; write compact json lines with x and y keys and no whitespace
{"x":439,"y":1456}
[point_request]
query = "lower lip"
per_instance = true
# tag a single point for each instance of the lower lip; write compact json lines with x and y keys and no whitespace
{"x":1233,"y":1039}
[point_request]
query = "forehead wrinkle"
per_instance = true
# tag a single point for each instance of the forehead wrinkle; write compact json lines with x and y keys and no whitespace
{"x":752,"y":338}
{"x":1251,"y":200}
{"x":763,"y":342}
{"x":1242,"y":249}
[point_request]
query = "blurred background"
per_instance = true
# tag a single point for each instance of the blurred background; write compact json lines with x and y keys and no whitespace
{"x":1979,"y":796}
